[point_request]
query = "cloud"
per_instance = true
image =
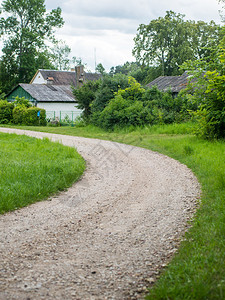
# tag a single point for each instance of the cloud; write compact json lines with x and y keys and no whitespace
{"x":96,"y":24}
{"x":116,"y":9}
{"x":110,"y":25}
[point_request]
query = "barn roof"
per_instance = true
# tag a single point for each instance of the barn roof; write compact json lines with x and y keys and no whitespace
{"x":49,"y":92}
{"x":174,"y":83}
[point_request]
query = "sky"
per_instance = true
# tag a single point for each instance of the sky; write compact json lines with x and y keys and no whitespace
{"x":102,"y":31}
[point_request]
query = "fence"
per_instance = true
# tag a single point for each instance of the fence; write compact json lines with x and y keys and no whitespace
{"x":67,"y":117}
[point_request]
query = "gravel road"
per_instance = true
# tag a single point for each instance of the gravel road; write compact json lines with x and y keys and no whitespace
{"x":108,"y":236}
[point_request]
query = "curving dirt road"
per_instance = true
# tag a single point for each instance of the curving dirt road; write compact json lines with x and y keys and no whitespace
{"x":107,"y":236}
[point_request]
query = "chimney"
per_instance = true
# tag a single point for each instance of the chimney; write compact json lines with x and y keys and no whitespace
{"x":50,"y":80}
{"x":80,"y":75}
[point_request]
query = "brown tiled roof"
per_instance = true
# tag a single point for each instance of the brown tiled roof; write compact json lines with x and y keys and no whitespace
{"x":66,"y":77}
{"x":174,"y":83}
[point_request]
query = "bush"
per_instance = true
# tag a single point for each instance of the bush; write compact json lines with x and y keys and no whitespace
{"x":109,"y":85}
{"x":22,"y":101}
{"x":136,"y":106}
{"x":6,"y":112}
{"x":121,"y":112}
{"x":32,"y":116}
{"x":84,"y":96}
{"x":208,"y":92}
{"x":19,"y":113}
{"x":29,"y":116}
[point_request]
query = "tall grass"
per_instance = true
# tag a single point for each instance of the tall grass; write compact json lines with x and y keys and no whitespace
{"x":197,"y":271}
{"x":32,"y":169}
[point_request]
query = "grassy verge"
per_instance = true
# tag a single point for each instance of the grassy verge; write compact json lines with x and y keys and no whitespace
{"x":32,"y":169}
{"x":198,"y":270}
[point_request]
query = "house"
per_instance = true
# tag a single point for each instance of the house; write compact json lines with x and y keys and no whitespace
{"x":51,"y":90}
{"x":173,"y":83}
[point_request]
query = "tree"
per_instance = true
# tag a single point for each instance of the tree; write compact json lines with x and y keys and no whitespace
{"x":222,"y":15}
{"x":107,"y":88}
{"x":100,"y":69}
{"x":168,"y":42}
{"x":125,"y":108}
{"x":208,"y":91}
{"x":143,"y":74}
{"x":77,"y":61}
{"x":84,"y":96}
{"x":25,"y":31}
{"x":203,"y":37}
{"x":60,"y":56}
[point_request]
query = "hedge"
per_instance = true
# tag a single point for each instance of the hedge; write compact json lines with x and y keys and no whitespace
{"x":6,"y":112}
{"x":35,"y":116}
{"x":29,"y":116}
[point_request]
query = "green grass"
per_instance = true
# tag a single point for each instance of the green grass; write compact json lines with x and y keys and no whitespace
{"x":32,"y":169}
{"x":197,"y":271}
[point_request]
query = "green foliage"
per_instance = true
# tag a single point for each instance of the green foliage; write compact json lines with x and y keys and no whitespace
{"x":24,"y":114}
{"x":59,"y":55}
{"x":22,"y":101}
{"x":19,"y":114}
{"x":121,"y":112}
{"x":168,"y":42}
{"x":31,"y":117}
{"x":166,"y":108}
{"x":208,"y":91}
{"x":25,"y":28}
{"x":133,"y":92}
{"x":143,"y":74}
{"x":2,"y":95}
{"x":33,"y":169}
{"x":136,"y":106}
{"x":6,"y":112}
{"x":85,"y":95}
{"x":100,"y":69}
{"x":109,"y":85}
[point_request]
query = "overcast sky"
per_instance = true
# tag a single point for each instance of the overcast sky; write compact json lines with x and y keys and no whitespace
{"x":108,"y":27}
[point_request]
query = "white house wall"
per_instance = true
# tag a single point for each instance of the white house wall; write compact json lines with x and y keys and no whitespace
{"x":60,"y":110}
{"x":39,"y":79}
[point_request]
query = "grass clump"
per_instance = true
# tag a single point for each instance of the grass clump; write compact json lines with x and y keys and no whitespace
{"x":32,"y":169}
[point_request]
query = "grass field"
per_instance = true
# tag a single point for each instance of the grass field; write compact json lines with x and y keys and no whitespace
{"x":32,"y":169}
{"x":198,"y":269}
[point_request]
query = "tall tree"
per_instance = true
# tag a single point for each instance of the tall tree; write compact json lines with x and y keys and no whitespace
{"x":60,"y":55}
{"x":100,"y":69}
{"x":169,"y":41}
{"x":25,"y":31}
{"x":222,"y":12}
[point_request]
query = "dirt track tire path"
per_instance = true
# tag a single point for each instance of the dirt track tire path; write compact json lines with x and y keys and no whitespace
{"x":107,"y":236}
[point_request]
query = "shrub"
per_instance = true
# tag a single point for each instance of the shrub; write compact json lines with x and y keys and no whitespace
{"x":19,"y":113}
{"x":22,"y":101}
{"x":6,"y":112}
{"x":29,"y":116}
{"x":109,"y":85}
{"x":32,"y":116}
{"x":136,"y":106}
{"x":84,"y":96}
{"x":208,"y":92}
{"x":121,"y":112}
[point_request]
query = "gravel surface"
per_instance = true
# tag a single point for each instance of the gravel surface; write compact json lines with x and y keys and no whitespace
{"x":108,"y":236}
